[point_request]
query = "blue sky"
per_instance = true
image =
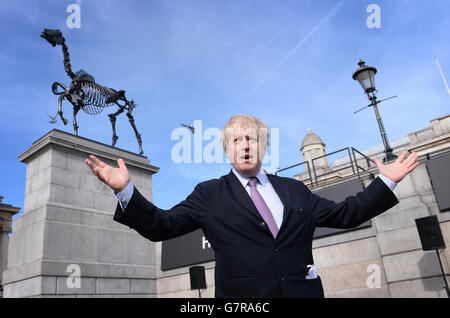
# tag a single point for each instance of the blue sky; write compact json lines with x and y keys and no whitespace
{"x":288,"y":62}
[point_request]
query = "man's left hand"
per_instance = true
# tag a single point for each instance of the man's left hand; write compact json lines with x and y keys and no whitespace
{"x":400,"y":168}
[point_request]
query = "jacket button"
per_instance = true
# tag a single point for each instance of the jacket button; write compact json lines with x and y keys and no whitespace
{"x":282,"y":278}
{"x":262,"y":224}
{"x":275,"y":249}
{"x":301,"y":210}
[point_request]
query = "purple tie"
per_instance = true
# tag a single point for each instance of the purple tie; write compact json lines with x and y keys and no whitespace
{"x":262,"y":207}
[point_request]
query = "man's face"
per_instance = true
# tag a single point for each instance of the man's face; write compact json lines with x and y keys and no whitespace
{"x":245,"y":150}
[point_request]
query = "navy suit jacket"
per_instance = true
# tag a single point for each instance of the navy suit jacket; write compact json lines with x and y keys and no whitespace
{"x":249,"y":261}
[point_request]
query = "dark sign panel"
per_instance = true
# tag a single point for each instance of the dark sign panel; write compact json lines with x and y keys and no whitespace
{"x":438,"y":168}
{"x":189,"y":249}
{"x":338,"y":193}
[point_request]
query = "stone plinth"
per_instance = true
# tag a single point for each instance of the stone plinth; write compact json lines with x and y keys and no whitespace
{"x":66,"y":242}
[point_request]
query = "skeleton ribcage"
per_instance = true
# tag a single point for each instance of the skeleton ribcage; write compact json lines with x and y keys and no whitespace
{"x":96,"y":97}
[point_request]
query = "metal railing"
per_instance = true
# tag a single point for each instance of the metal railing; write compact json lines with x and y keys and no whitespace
{"x":368,"y":160}
{"x":353,"y":164}
{"x":296,"y":165}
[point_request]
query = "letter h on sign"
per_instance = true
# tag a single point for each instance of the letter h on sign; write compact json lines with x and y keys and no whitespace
{"x":205,"y":242}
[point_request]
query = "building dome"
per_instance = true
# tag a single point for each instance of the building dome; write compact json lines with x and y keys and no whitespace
{"x":311,"y":139}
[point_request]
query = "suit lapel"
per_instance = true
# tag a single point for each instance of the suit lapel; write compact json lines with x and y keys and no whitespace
{"x":240,"y":194}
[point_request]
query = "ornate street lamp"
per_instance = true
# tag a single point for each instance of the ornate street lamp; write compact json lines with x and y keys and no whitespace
{"x":365,"y":75}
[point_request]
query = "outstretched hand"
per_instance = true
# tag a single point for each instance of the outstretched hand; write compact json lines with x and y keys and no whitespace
{"x":400,"y":168}
{"x":116,"y":178}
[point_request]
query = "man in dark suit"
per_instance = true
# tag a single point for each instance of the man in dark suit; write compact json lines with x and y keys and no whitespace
{"x":260,"y":225}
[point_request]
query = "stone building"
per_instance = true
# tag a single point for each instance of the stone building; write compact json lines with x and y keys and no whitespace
{"x":6,"y":213}
{"x":314,"y":148}
{"x":391,"y":246}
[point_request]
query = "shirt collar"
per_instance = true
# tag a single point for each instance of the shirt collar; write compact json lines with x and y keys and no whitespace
{"x":262,"y":177}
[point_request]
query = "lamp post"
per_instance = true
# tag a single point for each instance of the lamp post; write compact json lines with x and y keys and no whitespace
{"x":365,"y":75}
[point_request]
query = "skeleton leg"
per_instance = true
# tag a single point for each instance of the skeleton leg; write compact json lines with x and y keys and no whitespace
{"x":76,"y":108}
{"x":138,"y":135}
{"x":60,"y":113}
{"x":112,"y":118}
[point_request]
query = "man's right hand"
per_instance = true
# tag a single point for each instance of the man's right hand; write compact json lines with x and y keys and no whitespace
{"x":116,"y":178}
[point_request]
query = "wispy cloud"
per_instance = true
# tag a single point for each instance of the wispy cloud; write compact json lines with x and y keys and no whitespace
{"x":442,"y":74}
{"x":300,"y":44}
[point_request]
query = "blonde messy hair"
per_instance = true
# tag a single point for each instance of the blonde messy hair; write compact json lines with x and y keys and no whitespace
{"x":241,"y":121}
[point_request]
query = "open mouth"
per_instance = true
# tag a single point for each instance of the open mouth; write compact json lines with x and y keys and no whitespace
{"x":246,"y":158}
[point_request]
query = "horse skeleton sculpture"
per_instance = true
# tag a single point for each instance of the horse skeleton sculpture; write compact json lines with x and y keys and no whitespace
{"x":84,"y":93}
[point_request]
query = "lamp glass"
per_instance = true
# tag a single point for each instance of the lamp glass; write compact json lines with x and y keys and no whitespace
{"x":367,"y":80}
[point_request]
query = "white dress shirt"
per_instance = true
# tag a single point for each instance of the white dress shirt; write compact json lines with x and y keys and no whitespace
{"x":125,"y":195}
{"x":264,"y":187}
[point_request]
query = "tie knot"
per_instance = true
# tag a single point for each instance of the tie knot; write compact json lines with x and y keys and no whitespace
{"x":253,"y":181}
